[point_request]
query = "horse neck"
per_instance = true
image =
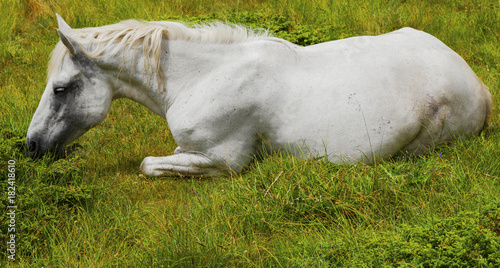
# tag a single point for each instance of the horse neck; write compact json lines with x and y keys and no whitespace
{"x":182,"y":62}
{"x":131,"y":79}
{"x":190,"y":64}
{"x":185,"y":66}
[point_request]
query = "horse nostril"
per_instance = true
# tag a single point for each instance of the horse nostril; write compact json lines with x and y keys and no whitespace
{"x":33,"y":146}
{"x":33,"y":149}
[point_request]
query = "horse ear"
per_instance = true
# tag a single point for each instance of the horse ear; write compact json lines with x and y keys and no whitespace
{"x":70,"y":43}
{"x":63,"y":26}
{"x":63,"y":31}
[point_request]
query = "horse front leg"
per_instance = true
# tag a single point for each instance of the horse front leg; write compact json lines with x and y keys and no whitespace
{"x":178,"y":150}
{"x":181,"y":164}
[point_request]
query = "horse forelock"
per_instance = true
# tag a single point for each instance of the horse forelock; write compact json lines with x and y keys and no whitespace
{"x":110,"y":40}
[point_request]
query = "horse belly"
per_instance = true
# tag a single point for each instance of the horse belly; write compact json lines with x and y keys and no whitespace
{"x":346,"y":127}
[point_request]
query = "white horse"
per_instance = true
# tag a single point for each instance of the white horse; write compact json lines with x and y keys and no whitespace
{"x":227,"y":91}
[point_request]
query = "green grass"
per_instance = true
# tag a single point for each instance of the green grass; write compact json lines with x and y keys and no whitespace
{"x":94,"y":209}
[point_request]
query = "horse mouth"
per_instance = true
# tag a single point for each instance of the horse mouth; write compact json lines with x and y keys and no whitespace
{"x":35,"y":150}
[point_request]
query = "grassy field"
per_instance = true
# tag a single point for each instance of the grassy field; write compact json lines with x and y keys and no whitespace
{"x":94,"y":208}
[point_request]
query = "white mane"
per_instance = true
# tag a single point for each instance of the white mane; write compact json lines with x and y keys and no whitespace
{"x":122,"y":36}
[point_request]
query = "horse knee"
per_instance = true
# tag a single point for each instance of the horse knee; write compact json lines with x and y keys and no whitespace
{"x":178,"y":150}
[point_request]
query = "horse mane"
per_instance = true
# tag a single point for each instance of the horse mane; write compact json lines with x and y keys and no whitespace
{"x":122,"y":36}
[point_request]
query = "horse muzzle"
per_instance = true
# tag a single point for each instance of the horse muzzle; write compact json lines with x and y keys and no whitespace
{"x":36,"y":149}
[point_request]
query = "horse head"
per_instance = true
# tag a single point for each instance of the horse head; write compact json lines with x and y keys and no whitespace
{"x":76,"y":98}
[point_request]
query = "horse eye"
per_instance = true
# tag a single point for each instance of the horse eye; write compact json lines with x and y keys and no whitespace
{"x":59,"y":90}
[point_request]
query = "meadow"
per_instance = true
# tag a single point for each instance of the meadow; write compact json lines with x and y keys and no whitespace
{"x":93,"y":208}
